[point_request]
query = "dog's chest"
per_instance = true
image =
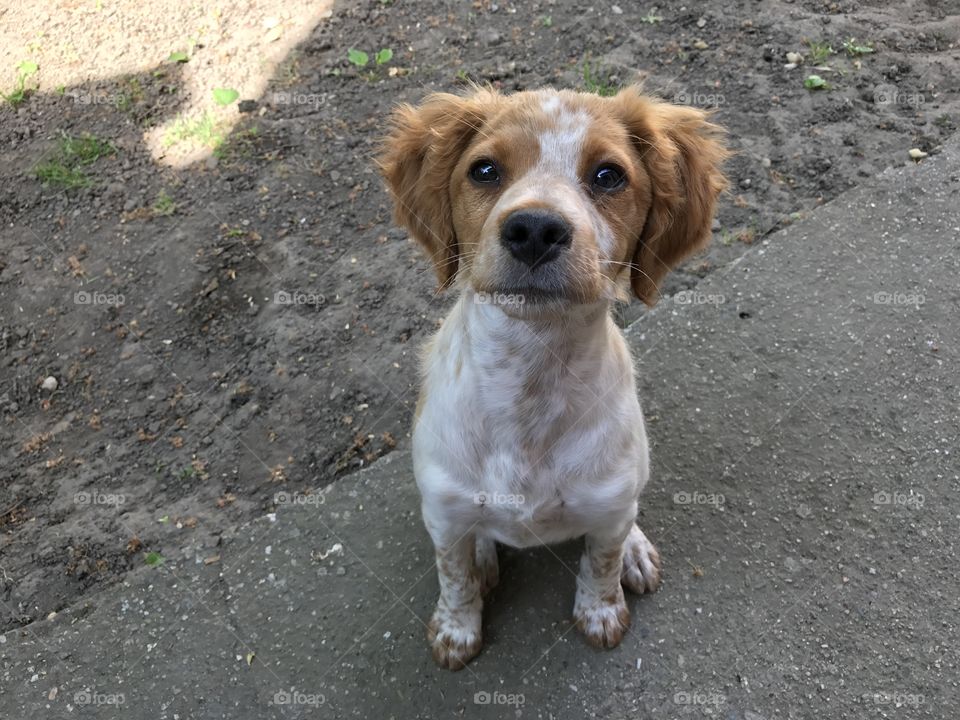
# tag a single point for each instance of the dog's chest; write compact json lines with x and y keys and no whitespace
{"x":531,"y":435}
{"x":531,"y":455}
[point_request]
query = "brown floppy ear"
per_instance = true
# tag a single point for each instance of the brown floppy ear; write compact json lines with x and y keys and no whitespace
{"x":417,"y":160}
{"x":682,"y":153}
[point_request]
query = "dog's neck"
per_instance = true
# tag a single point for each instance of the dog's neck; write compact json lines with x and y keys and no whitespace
{"x":534,"y":375}
{"x":542,"y":334}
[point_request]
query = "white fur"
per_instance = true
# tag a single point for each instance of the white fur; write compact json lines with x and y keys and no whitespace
{"x":590,"y":460}
{"x":566,"y":462}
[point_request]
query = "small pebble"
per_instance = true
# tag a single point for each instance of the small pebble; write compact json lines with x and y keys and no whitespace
{"x":50,"y":383}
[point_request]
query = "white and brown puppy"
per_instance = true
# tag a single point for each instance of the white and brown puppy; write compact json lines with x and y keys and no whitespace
{"x":542,"y":208}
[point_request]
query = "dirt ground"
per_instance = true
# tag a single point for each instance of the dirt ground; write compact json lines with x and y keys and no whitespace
{"x":246,"y":325}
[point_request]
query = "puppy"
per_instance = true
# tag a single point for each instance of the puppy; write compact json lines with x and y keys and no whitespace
{"x":542,"y":208}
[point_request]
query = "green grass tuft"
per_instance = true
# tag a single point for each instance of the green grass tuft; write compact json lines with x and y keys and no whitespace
{"x":592,"y":82}
{"x":203,"y":130}
{"x":64,"y":168}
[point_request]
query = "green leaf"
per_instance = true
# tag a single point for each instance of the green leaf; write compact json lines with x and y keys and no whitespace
{"x":854,"y":50}
{"x":153,"y":559}
{"x":814,"y":82}
{"x":384,"y":56}
{"x":178,"y":57}
{"x":358,"y":57}
{"x":225,"y":96}
{"x":27,"y":67}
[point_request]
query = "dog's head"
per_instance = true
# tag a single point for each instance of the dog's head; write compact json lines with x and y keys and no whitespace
{"x":555,"y":196}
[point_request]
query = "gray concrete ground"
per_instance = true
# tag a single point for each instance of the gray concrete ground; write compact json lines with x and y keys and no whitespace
{"x":803,"y":409}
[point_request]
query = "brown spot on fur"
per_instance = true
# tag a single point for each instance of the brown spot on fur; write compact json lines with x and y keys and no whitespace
{"x":682,"y":153}
{"x":607,"y":565}
{"x":417,"y":160}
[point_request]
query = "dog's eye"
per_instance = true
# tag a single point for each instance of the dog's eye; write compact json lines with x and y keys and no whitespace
{"x":608,"y":178}
{"x":484,"y":172}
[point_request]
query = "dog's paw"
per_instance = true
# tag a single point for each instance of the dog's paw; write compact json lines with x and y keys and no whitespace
{"x":603,"y":622}
{"x":454,"y":637}
{"x":487,"y":565}
{"x":641,"y":563}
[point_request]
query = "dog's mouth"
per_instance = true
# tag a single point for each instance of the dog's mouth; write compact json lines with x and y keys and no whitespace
{"x":542,"y":286}
{"x":524,"y":299}
{"x":521,"y":296}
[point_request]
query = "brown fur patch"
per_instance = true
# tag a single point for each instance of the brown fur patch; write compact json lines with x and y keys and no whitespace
{"x":417,"y":160}
{"x":683,"y":153}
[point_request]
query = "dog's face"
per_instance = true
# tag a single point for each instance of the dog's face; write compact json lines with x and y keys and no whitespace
{"x":554,"y":196}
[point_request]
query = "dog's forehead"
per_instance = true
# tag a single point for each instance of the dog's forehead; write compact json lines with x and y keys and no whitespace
{"x":544,"y":110}
{"x":561,"y":141}
{"x":553,"y":125}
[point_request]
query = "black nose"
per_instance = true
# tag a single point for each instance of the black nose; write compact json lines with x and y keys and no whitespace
{"x":535,"y":237}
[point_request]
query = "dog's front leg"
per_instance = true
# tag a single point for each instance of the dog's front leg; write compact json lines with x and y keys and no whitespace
{"x":600,"y":608}
{"x":454,"y":632}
